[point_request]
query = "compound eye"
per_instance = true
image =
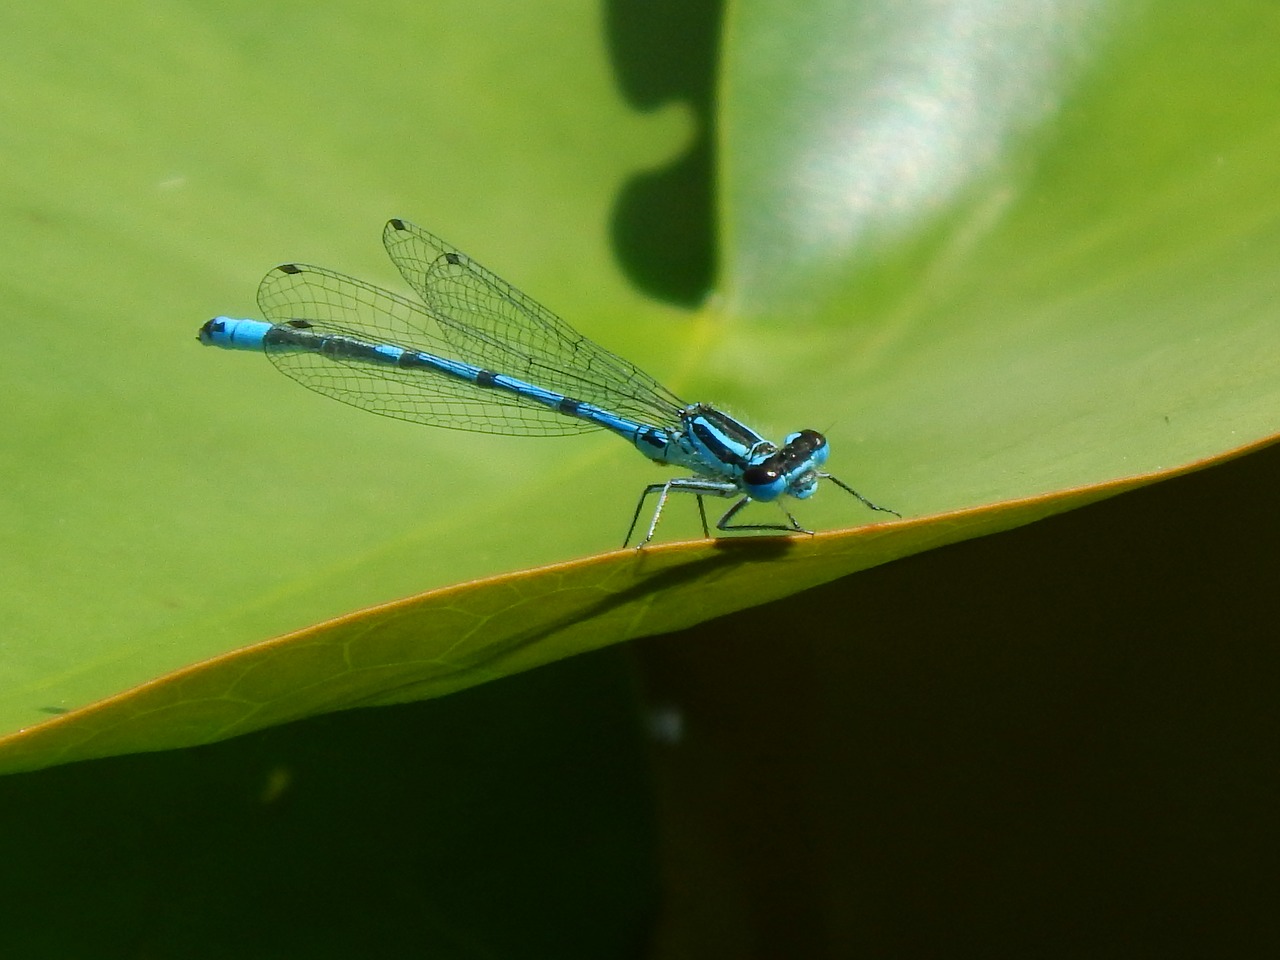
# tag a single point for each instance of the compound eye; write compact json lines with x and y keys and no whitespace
{"x":760,"y":476}
{"x":808,"y":439}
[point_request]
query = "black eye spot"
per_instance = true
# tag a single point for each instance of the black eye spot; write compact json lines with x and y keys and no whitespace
{"x":760,"y":476}
{"x":806,"y":441}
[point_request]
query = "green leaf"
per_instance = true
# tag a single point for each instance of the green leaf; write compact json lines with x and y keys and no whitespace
{"x":1009,"y":264}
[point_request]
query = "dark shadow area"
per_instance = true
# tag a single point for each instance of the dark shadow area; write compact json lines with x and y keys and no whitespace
{"x":511,"y":820}
{"x":1058,"y":741}
{"x":664,"y":220}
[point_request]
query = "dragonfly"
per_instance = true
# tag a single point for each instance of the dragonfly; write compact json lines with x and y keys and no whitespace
{"x":474,"y":353}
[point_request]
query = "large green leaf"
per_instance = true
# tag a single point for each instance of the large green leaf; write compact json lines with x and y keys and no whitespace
{"x":1010,"y":263}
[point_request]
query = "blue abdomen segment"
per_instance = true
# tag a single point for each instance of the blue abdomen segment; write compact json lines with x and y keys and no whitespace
{"x":297,"y":336}
{"x":233,"y":334}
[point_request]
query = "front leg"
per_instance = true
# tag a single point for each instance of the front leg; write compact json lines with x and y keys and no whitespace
{"x":732,"y":512}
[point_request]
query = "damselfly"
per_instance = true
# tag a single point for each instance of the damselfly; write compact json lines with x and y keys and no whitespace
{"x":477,"y":354}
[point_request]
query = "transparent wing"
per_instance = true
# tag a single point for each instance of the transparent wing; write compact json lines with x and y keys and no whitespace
{"x":490,"y":323}
{"x":333,"y":303}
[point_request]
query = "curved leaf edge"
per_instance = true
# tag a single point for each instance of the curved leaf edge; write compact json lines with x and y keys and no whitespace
{"x":503,"y":624}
